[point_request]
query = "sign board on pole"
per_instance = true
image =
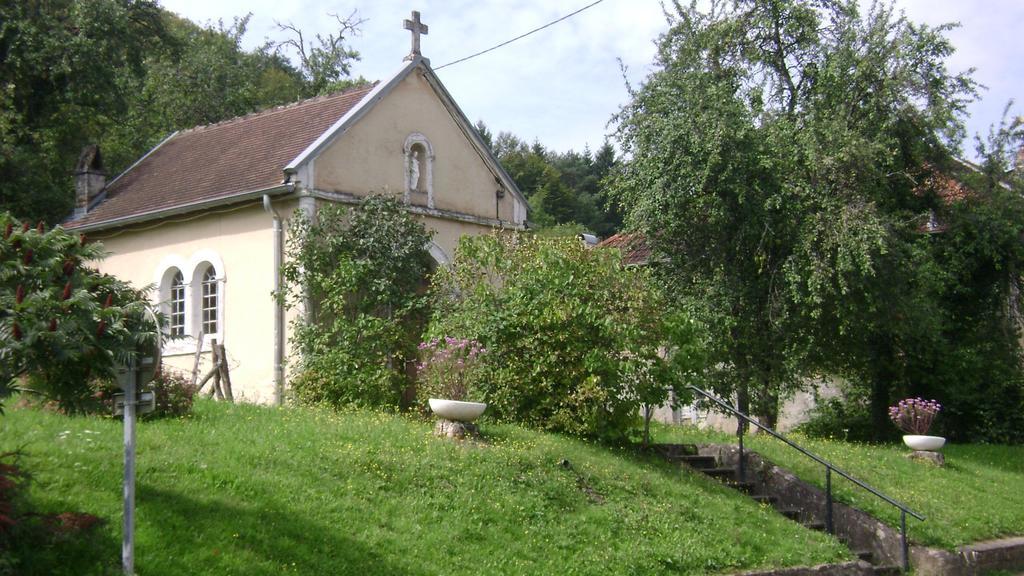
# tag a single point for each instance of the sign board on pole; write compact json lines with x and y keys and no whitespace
{"x":144,"y":405}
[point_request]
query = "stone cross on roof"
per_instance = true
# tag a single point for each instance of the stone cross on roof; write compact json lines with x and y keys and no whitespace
{"x":417,"y":28}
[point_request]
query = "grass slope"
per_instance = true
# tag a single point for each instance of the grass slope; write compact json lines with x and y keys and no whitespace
{"x":253,"y":490}
{"x":977,"y":495}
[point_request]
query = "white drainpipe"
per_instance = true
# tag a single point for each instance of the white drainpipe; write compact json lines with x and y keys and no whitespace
{"x":278,"y":305}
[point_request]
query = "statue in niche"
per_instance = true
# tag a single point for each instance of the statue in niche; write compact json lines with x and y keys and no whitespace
{"x":414,"y":171}
{"x":417,"y":169}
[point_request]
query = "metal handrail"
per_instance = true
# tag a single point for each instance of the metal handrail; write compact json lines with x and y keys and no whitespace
{"x":829,"y":468}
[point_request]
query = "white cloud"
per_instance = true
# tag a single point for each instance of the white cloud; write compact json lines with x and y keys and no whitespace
{"x":562,"y":84}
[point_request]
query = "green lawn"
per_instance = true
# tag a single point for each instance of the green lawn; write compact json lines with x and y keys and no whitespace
{"x":253,"y":490}
{"x":978,"y":495}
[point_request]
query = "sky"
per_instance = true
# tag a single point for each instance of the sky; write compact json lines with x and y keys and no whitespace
{"x":562,"y":85}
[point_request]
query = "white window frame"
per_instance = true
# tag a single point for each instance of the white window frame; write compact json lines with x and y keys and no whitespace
{"x":209,"y":289}
{"x":192,"y":271}
{"x":177,"y":304}
{"x":200,"y":262}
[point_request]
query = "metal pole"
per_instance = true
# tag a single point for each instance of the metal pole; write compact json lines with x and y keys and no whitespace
{"x":128,"y":541}
{"x":903,"y":540}
{"x":828,"y":501}
{"x":743,"y":468}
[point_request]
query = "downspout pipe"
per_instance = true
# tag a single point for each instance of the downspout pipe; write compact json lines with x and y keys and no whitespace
{"x":278,"y":303}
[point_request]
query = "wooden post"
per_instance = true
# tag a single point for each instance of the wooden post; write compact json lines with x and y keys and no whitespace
{"x":195,"y":363}
{"x":206,"y":379}
{"x":222,"y":357}
{"x":215,"y":357}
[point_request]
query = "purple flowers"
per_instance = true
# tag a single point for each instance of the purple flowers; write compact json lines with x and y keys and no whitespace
{"x":448,"y":366}
{"x":914,"y":415}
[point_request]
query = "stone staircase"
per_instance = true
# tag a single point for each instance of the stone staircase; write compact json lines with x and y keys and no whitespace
{"x":709,"y":460}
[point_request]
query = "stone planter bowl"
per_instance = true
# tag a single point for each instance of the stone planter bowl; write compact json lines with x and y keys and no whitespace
{"x":457,"y":410}
{"x":924,"y":443}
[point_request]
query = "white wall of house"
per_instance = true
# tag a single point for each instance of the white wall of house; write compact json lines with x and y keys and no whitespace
{"x":239,"y":242}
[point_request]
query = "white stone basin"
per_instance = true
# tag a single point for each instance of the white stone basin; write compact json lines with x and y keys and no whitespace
{"x":457,"y":410}
{"x":926,"y":443}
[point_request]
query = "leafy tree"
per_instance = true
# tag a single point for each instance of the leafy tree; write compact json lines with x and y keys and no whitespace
{"x":361,"y":273}
{"x":66,"y":70}
{"x":206,"y":76}
{"x":561,"y":188}
{"x":62,"y":323}
{"x":326,"y":63}
{"x":485,"y":134}
{"x":124,"y":74}
{"x":772,"y":161}
{"x":572,"y":336}
{"x":980,"y":249}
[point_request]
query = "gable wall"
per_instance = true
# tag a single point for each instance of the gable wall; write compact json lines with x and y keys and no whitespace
{"x":243,"y":240}
{"x":369,"y":157}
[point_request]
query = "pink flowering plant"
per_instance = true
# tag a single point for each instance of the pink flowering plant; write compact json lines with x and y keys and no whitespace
{"x":914,"y":415}
{"x":449,"y":367}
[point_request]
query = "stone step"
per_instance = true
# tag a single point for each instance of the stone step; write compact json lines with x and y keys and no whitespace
{"x":791,"y":513}
{"x":765,"y":499}
{"x":815,"y":525}
{"x":864,"y":555}
{"x":888,"y":570}
{"x":747,"y":487}
{"x":720,"y":472}
{"x":695,"y":461}
{"x":669,"y":451}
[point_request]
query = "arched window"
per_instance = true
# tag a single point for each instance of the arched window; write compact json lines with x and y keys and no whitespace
{"x":176,"y":304}
{"x":209,"y":301}
{"x":419,"y":170}
{"x":191,"y":297}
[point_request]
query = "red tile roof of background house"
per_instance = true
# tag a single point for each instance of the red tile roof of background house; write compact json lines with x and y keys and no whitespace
{"x":634,"y":247}
{"x":245,"y":154}
{"x":946,"y":185}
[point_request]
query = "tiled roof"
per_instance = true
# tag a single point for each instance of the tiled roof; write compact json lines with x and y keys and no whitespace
{"x":947,"y":186}
{"x":634,"y":247}
{"x":245,"y":154}
{"x":944,"y":183}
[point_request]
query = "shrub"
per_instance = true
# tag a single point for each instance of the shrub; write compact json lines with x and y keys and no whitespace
{"x":12,"y":480}
{"x":845,"y":418}
{"x":62,"y":323}
{"x":174,"y":395}
{"x":555,"y":318}
{"x":340,"y":378}
{"x":361,"y":271}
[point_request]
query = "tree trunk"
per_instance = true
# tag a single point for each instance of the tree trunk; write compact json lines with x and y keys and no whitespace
{"x":880,"y":404}
{"x":647,"y":424}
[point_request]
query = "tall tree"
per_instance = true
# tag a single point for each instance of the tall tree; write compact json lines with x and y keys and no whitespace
{"x":125,"y":73}
{"x":562,"y":188}
{"x":65,"y":78}
{"x":773,"y":157}
{"x":980,"y":249}
{"x":324,"y":61}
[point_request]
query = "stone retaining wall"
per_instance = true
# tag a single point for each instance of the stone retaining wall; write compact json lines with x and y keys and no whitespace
{"x":858,"y":568}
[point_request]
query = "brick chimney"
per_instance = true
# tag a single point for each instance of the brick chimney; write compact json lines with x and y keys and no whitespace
{"x":90,"y":178}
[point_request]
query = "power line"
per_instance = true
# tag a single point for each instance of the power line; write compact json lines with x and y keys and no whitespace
{"x":521,"y":36}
